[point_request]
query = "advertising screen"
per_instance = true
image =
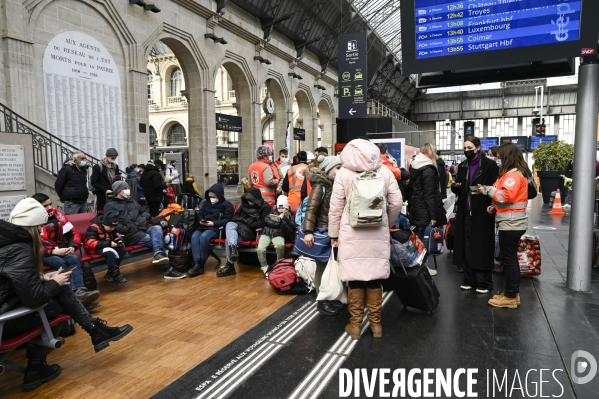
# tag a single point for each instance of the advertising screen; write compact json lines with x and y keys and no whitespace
{"x":533,"y":142}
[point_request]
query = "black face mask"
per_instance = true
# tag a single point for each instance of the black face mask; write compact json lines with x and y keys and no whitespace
{"x":470,"y":154}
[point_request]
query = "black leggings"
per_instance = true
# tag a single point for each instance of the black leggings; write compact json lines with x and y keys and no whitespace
{"x":508,"y":243}
{"x":373,"y":284}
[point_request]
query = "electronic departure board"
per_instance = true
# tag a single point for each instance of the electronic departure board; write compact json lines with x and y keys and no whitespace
{"x":449,"y":27}
{"x":533,"y":142}
{"x":449,"y":35}
{"x":488,"y":142}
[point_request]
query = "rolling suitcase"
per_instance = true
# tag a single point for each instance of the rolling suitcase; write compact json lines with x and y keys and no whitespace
{"x":414,"y":287}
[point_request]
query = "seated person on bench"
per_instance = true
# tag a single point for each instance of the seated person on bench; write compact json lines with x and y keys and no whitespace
{"x":102,"y":238}
{"x":61,"y":240}
{"x":279,"y":227}
{"x":23,"y":283}
{"x":133,"y":226}
{"x":242,"y":227}
{"x":215,"y":212}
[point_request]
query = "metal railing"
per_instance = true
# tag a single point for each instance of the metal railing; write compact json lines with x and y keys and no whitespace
{"x":376,"y":108}
{"x":176,"y":100}
{"x":49,"y":152}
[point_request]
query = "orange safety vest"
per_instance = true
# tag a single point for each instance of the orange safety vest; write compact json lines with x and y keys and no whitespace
{"x":256,"y":172}
{"x":296,"y":177}
{"x":510,"y":196}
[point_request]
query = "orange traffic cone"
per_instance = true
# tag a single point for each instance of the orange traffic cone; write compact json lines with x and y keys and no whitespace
{"x":557,"y":205}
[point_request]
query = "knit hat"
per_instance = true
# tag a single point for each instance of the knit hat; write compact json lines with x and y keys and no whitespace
{"x":262,"y":151}
{"x":111,"y":218}
{"x":111,"y":152}
{"x":168,"y":179}
{"x":310,"y":156}
{"x":283,"y":201}
{"x":328,"y":163}
{"x":118,"y":186}
{"x":28,"y":212}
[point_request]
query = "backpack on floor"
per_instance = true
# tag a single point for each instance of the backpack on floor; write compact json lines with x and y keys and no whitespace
{"x":306,"y":269}
{"x":367,"y":200}
{"x":282,"y":276}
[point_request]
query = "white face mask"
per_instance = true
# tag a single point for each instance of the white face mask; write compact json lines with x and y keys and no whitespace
{"x":270,"y":158}
{"x":82,"y":164}
{"x":213,"y":200}
{"x":126,"y":193}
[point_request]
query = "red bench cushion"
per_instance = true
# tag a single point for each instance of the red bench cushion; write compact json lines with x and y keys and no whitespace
{"x":19,"y":340}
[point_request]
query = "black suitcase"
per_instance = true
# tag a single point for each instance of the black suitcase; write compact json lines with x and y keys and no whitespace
{"x":415,"y":287}
{"x":595,"y":247}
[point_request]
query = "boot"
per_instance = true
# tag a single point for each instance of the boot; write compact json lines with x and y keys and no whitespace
{"x":374,"y":302}
{"x":227,"y":270}
{"x":325,"y":307}
{"x":234,"y":252}
{"x":503,"y":294}
{"x":502,"y":301}
{"x":356,"y":312}
{"x":102,"y":334}
{"x":197,"y":268}
{"x":38,"y":371}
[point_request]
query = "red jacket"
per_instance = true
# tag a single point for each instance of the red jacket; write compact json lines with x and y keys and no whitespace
{"x":59,"y":233}
{"x":510,"y":195}
{"x":392,"y":168}
{"x":96,"y":238}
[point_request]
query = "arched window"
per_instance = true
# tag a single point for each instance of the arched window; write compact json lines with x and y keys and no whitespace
{"x":150,"y":83}
{"x":153,"y":136}
{"x":268,"y":130}
{"x":176,"y":135}
{"x":176,"y":82}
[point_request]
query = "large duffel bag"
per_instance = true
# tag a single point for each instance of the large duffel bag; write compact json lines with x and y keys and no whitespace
{"x":180,"y":260}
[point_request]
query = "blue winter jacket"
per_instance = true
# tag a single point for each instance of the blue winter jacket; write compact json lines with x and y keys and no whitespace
{"x":220,"y":213}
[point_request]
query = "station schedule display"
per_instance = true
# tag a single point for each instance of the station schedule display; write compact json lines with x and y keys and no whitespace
{"x":450,"y":27}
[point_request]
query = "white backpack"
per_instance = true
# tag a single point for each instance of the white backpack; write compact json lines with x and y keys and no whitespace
{"x":306,"y":269}
{"x":367,"y":200}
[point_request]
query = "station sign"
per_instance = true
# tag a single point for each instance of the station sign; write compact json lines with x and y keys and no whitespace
{"x":299,"y":134}
{"x":353,"y":75}
{"x":228,"y":123}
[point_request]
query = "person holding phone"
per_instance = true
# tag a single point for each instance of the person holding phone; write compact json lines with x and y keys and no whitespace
{"x":102,"y":238}
{"x":214,"y":213}
{"x":474,"y":242}
{"x":510,"y":200}
{"x":23,"y":283}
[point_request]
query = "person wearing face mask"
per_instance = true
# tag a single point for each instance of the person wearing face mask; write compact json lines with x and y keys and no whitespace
{"x":264,"y":175}
{"x":71,"y":184}
{"x":60,"y":240}
{"x":279,"y":227}
{"x":153,"y":186}
{"x":102,"y":238}
{"x":214,"y":213}
{"x":103,"y":175}
{"x":283,"y":164}
{"x":133,"y":226}
{"x":492,"y":151}
{"x":474,"y":243}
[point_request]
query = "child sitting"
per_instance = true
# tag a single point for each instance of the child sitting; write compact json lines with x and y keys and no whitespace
{"x":279,"y":227}
{"x":102,"y":238}
{"x":170,"y":191}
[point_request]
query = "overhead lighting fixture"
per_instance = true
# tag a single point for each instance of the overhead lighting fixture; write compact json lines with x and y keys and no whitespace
{"x":215,"y":39}
{"x":146,"y":5}
{"x":262,"y":60}
{"x":295,"y":75}
{"x":320,"y":87}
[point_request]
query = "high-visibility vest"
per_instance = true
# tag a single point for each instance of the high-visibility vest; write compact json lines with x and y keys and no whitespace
{"x":256,"y":172}
{"x":510,"y":196}
{"x":296,"y":176}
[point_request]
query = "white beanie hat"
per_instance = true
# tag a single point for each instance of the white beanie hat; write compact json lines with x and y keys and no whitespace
{"x":28,"y":212}
{"x":283,"y":200}
{"x":310,"y":156}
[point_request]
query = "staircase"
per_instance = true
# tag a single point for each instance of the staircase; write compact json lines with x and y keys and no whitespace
{"x":49,"y":151}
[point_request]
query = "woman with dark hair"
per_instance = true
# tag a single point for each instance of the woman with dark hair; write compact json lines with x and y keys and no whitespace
{"x":510,"y":199}
{"x":474,"y":242}
{"x":492,"y":152}
{"x":23,"y":283}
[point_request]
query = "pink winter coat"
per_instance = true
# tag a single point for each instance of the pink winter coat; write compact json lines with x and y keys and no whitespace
{"x":363,"y":252}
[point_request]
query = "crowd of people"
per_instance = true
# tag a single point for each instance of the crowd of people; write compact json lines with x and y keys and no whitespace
{"x":490,"y":189}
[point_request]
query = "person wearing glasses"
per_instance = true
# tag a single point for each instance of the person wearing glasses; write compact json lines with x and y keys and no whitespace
{"x":103,"y":175}
{"x":71,"y":184}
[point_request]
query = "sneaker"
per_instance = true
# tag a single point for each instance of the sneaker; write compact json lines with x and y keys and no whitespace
{"x":482,"y":291}
{"x":325,"y":308}
{"x":432,"y":272}
{"x":566,"y":208}
{"x":234,"y":252}
{"x":86,"y":296}
{"x":160,"y":259}
{"x":115,"y":277}
{"x":92,"y":305}
{"x":264,"y":270}
{"x":501,"y":301}
{"x":172,"y":274}
{"x":227,"y":270}
{"x":465,"y":287}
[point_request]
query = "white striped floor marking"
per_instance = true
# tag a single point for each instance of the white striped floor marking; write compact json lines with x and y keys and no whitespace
{"x":246,"y":367}
{"x":325,"y":369}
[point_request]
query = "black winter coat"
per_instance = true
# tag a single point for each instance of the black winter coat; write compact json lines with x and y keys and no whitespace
{"x":71,"y":184}
{"x":152,"y":184}
{"x":100,"y":181}
{"x":482,"y":224}
{"x":285,"y":227}
{"x":220,"y":213}
{"x":425,"y":202}
{"x":442,"y":177}
{"x":20,"y":282}
{"x":250,"y":215}
{"x":133,"y":220}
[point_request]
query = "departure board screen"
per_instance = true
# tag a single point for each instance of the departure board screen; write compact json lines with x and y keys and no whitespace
{"x":450,"y":27}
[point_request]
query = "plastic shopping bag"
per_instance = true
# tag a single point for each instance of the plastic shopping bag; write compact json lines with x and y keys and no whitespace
{"x":331,"y":287}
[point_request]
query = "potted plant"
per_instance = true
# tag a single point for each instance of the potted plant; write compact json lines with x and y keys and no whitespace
{"x":551,"y":160}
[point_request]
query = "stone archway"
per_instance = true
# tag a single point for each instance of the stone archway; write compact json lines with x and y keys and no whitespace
{"x":305,"y":120}
{"x":202,"y":157}
{"x":325,"y":123}
{"x":280,"y":116}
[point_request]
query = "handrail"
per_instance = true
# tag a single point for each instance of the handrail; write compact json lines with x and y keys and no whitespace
{"x":376,"y":108}
{"x":49,"y":152}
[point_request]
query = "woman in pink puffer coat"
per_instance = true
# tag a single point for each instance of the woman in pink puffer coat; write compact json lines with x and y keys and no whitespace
{"x":363,"y":252}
